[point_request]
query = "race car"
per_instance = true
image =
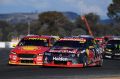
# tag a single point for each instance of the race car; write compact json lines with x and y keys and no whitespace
{"x":30,"y":49}
{"x":112,"y":49}
{"x":73,"y":52}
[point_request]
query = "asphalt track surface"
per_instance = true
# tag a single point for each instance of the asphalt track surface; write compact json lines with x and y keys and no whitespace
{"x":110,"y":68}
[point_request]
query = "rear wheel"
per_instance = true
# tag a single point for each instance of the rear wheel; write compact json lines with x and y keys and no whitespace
{"x":100,"y":63}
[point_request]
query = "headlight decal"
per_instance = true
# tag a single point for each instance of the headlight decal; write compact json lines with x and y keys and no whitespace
{"x":82,"y":51}
{"x":13,"y":53}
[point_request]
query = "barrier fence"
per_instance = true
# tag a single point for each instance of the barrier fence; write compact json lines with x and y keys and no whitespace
{"x":7,"y":44}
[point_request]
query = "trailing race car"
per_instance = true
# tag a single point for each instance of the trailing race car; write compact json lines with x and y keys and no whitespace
{"x":73,"y":52}
{"x":112,"y":49}
{"x":30,"y":49}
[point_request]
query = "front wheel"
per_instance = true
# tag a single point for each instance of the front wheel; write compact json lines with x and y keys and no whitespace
{"x":85,"y":61}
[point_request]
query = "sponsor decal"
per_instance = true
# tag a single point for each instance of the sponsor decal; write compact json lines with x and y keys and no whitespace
{"x":74,"y":39}
{"x":64,"y":51}
{"x":26,"y":58}
{"x":30,"y":48}
{"x":35,"y":39}
{"x":108,"y":56}
{"x":60,"y":59}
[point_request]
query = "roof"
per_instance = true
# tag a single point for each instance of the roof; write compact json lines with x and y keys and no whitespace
{"x":72,"y":39}
{"x":99,"y":38}
{"x":115,"y":38}
{"x":39,"y":36}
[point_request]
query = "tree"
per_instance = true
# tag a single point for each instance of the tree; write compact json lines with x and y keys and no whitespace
{"x":79,"y":23}
{"x":103,"y":29}
{"x":78,"y":31}
{"x":114,"y":10}
{"x":21,"y":29}
{"x":52,"y":22}
{"x":92,"y":20}
{"x":5,"y":29}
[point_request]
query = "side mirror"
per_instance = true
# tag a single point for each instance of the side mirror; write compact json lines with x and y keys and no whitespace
{"x":14,"y":45}
{"x":51,"y":45}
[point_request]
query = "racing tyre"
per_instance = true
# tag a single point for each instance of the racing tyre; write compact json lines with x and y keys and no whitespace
{"x":100,"y":63}
{"x":85,"y":61}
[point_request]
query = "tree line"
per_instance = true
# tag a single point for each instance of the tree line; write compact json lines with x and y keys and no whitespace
{"x":55,"y":23}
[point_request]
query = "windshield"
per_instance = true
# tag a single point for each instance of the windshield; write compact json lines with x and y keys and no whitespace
{"x":113,"y":44}
{"x":30,"y":42}
{"x":72,"y":44}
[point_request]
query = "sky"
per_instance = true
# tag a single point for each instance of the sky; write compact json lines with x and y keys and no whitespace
{"x":78,"y":6}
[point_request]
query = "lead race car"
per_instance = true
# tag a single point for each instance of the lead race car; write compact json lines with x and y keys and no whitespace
{"x":73,"y":52}
{"x":30,"y":49}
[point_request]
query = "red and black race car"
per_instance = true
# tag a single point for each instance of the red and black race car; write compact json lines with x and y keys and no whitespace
{"x":30,"y":49}
{"x":73,"y":52}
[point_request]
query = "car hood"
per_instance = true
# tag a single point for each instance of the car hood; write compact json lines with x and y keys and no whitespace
{"x":30,"y":49}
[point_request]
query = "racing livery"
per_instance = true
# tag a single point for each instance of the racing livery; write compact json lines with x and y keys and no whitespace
{"x":101,"y":42}
{"x":112,"y":49}
{"x":30,"y":49}
{"x":73,"y":52}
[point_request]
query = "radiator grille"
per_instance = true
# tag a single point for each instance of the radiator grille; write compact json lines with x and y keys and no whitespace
{"x":27,"y":55}
{"x":26,"y":61}
{"x":60,"y":62}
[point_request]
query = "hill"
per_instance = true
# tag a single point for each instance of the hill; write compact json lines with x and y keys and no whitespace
{"x":15,"y":18}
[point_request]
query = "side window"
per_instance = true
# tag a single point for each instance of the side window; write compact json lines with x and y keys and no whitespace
{"x":21,"y":43}
{"x":46,"y":42}
{"x":53,"y":40}
{"x":91,"y":43}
